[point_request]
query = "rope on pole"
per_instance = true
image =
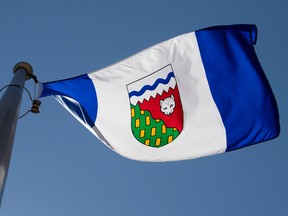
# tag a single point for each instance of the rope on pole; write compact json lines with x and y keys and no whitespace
{"x":35,"y":103}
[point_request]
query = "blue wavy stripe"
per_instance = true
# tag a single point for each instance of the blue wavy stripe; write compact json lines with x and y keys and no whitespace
{"x":152,"y":87}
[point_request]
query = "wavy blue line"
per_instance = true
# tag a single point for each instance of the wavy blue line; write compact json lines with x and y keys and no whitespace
{"x":152,"y":87}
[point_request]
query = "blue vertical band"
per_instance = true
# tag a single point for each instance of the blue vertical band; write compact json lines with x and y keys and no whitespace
{"x":238,"y":84}
{"x":79,"y":88}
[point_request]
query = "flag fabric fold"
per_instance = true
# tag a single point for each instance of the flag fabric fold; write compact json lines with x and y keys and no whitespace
{"x":195,"y":95}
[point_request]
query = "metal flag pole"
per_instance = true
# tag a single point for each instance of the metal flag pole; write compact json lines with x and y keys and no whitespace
{"x":9,"y":111}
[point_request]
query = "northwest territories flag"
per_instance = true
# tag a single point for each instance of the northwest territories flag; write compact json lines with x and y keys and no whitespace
{"x":194,"y":95}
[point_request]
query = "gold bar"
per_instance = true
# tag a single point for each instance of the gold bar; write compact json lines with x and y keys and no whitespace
{"x":148,"y":120}
{"x":137,"y":123}
{"x":158,"y":141}
{"x":142,"y":133}
{"x":163,"y":129}
{"x":153,"y":131}
{"x":170,"y":139}
{"x":147,"y":142}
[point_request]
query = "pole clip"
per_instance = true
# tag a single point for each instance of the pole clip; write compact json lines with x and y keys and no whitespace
{"x":35,"y":106}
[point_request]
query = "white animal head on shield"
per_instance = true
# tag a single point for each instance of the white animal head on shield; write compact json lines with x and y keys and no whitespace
{"x":168,"y":105}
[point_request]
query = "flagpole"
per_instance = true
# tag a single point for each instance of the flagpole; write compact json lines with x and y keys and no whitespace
{"x":9,"y":111}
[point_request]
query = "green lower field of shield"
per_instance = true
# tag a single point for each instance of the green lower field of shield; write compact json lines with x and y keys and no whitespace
{"x":148,"y":131}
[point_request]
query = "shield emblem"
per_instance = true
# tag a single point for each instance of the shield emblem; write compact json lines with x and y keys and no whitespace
{"x":156,"y":108}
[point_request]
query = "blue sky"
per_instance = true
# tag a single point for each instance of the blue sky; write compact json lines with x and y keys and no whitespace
{"x":59,"y":168}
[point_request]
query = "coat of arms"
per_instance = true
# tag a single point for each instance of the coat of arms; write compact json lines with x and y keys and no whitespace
{"x":156,"y":109}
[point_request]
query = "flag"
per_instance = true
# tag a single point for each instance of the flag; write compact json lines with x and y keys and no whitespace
{"x":198,"y":94}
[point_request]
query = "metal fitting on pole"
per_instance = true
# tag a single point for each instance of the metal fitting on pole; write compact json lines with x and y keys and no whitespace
{"x":26,"y":66}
